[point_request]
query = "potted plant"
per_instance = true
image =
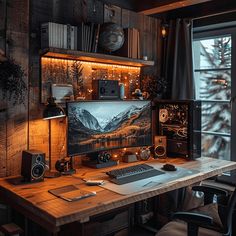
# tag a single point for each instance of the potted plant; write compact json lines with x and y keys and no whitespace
{"x":12,"y":82}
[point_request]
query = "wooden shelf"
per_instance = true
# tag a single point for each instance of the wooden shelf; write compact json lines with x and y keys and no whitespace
{"x":93,"y":57}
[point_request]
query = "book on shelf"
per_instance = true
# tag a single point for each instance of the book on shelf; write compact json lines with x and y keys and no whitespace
{"x":83,"y":37}
{"x":96,"y":38}
{"x":80,"y":37}
{"x":88,"y":34}
{"x":71,"y":37}
{"x":131,"y":46}
{"x":58,"y":36}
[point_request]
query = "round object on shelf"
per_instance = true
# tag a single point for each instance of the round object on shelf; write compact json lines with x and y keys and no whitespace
{"x":111,"y":37}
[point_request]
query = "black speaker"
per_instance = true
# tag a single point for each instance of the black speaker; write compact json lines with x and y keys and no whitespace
{"x":180,"y":122}
{"x":105,"y":89}
{"x":33,"y":165}
{"x":160,"y":147}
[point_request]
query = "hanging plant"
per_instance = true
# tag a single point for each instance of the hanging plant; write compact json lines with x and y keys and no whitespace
{"x":12,"y":81}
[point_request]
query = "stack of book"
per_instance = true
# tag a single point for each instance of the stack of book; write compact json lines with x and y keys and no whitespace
{"x":58,"y":36}
{"x":88,"y":35}
{"x":83,"y":37}
{"x":131,"y":46}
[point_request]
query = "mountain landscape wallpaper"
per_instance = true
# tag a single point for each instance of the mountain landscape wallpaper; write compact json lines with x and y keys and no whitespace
{"x":100,"y":125}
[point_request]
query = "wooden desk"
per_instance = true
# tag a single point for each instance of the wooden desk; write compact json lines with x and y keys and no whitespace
{"x":34,"y":201}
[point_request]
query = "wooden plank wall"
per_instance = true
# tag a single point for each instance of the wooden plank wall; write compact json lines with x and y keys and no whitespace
{"x":13,"y":128}
{"x":2,"y":24}
{"x":3,"y":135}
{"x":22,"y":127}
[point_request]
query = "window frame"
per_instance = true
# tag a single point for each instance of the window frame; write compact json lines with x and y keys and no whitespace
{"x":209,"y":32}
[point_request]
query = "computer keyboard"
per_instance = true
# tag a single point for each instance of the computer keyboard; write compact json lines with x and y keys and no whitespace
{"x":132,"y":173}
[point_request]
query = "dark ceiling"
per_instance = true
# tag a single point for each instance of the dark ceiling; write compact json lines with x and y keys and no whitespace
{"x":174,"y":8}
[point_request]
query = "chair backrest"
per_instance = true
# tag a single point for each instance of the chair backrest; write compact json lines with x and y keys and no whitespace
{"x":229,"y":214}
{"x":226,"y":208}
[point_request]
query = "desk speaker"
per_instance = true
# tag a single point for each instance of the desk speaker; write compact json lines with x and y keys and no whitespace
{"x":105,"y":89}
{"x":160,"y":147}
{"x":33,"y":165}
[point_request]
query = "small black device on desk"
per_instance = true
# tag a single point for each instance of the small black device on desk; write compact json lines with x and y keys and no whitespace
{"x":132,"y":173}
{"x":169,"y":167}
{"x":228,"y":179}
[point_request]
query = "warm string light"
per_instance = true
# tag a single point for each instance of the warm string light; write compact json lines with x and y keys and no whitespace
{"x":58,"y":70}
{"x":91,"y":64}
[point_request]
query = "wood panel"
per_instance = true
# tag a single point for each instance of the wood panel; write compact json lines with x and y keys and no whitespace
{"x":3,"y":142}
{"x":95,"y":57}
{"x":2,"y":24}
{"x":58,"y":136}
{"x":17,"y":48}
{"x":51,"y":212}
{"x":16,"y":133}
{"x":72,"y":12}
{"x":171,"y":6}
{"x":38,"y":134}
{"x":95,"y":11}
{"x":3,"y":114}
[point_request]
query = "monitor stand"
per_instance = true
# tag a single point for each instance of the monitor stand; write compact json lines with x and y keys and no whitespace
{"x":95,"y":162}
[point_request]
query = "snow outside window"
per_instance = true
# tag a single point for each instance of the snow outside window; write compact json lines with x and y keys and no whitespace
{"x":212,"y":73}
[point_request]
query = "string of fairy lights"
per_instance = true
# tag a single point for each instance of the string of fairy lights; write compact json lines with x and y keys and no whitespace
{"x":56,"y":70}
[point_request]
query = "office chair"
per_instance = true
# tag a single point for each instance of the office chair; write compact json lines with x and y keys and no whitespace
{"x":198,"y":224}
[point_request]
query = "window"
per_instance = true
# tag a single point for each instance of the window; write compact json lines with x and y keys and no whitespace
{"x":213,"y":73}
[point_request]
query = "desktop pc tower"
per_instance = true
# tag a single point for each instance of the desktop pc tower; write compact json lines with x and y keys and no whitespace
{"x":180,"y":122}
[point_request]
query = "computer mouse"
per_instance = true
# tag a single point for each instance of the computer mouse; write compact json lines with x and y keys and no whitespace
{"x":169,"y":167}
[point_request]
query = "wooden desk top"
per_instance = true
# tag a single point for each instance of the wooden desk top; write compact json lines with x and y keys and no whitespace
{"x":34,"y":201}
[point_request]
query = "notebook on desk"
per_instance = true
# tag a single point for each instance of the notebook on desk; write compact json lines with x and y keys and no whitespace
{"x":71,"y":193}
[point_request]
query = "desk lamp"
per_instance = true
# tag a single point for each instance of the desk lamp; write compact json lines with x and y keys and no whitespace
{"x":52,"y":111}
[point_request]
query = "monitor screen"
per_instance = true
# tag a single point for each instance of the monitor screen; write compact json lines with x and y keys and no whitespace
{"x":102,"y":125}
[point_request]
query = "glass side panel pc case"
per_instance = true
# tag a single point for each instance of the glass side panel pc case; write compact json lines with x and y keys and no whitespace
{"x":180,"y":122}
{"x":95,"y":126}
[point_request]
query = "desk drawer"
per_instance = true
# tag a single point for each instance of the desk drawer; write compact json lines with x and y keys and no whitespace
{"x":109,"y":223}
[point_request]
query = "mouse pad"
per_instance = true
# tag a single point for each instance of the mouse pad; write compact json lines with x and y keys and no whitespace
{"x":147,"y":183}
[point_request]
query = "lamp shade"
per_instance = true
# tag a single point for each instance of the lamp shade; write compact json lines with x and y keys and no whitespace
{"x":53,"y":110}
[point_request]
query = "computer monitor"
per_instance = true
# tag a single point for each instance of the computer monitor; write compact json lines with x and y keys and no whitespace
{"x":95,"y":126}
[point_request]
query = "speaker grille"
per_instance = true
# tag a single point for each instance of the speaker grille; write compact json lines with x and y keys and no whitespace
{"x":37,"y":171}
{"x":160,"y":147}
{"x":33,"y":165}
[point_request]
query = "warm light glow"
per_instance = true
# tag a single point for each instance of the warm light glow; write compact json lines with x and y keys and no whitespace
{"x":63,"y":71}
{"x":163,"y":31}
{"x":90,"y":64}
